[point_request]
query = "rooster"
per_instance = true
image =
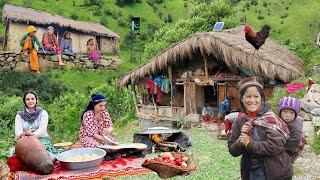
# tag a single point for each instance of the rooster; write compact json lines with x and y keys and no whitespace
{"x":256,"y":39}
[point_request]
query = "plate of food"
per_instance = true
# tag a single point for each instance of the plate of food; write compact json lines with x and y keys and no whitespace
{"x":64,"y":145}
{"x":110,"y":140}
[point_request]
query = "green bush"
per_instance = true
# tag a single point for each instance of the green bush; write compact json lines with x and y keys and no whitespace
{"x":9,"y":108}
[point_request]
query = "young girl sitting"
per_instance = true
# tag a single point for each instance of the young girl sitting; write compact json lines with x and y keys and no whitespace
{"x":289,"y":108}
{"x":92,"y":53}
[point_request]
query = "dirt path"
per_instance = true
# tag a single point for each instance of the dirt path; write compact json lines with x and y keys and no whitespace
{"x":307,"y":167}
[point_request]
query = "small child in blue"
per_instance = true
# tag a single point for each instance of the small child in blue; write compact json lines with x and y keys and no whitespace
{"x":288,"y":109}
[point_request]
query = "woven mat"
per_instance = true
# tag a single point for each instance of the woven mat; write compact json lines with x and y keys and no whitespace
{"x":115,"y":168}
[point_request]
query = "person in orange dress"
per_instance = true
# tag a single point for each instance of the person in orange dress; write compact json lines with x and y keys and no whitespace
{"x":28,"y":43}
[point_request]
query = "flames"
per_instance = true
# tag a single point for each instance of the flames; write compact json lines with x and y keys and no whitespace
{"x":157,"y":138}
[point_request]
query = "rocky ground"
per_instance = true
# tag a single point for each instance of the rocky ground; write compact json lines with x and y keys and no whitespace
{"x":307,"y":167}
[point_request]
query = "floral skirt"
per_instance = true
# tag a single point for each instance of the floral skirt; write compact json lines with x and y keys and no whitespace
{"x":47,"y":143}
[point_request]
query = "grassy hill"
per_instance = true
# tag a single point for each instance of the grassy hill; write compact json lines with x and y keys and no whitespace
{"x":291,"y":20}
{"x":118,"y":19}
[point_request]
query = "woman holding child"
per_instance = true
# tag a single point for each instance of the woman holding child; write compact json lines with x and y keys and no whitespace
{"x":259,"y":136}
{"x":96,"y":123}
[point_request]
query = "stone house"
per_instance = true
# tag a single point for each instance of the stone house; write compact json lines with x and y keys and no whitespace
{"x":17,"y":18}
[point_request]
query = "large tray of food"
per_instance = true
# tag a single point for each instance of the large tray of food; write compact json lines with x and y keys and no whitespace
{"x":81,"y":158}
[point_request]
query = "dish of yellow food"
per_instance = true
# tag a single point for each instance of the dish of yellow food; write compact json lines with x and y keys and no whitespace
{"x":82,"y":158}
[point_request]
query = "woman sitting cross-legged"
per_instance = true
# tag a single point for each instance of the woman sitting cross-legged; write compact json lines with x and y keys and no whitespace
{"x":96,"y":124}
{"x":33,"y":121}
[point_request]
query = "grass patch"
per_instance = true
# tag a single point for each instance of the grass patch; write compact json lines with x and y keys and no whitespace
{"x":211,"y":155}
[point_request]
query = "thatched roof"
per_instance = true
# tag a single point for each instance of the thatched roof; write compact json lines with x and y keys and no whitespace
{"x":30,"y":16}
{"x":230,"y":46}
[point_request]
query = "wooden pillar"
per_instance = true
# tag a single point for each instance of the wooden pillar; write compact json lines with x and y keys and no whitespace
{"x":135,"y":100}
{"x":206,"y":68}
{"x":6,"y":34}
{"x":171,"y":88}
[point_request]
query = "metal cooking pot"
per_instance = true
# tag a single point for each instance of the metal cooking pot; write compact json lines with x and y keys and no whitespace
{"x":80,"y":151}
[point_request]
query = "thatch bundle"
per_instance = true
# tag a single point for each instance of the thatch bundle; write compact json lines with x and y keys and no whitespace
{"x":230,"y":46}
{"x":30,"y":16}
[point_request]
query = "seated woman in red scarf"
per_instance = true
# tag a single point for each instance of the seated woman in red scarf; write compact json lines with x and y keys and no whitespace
{"x":51,"y":45}
{"x":96,"y":124}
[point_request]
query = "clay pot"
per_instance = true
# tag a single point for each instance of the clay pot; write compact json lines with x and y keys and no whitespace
{"x":32,"y":153}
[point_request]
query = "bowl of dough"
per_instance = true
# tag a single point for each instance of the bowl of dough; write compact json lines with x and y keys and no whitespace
{"x":81,"y":158}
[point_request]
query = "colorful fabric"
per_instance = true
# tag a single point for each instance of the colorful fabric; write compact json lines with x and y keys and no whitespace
{"x":294,"y":87}
{"x":66,"y":46}
{"x":107,"y":169}
{"x":165,"y":84}
{"x":50,"y":43}
{"x":15,"y":164}
{"x":34,"y":42}
{"x":92,"y":125}
{"x":272,"y":121}
{"x":95,"y":57}
{"x":33,"y":54}
{"x":47,"y":143}
{"x":225,"y":107}
{"x":30,"y":117}
{"x":38,"y":126}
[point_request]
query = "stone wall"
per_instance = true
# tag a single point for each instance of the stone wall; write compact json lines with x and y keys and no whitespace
{"x":310,"y":105}
{"x":19,"y":62}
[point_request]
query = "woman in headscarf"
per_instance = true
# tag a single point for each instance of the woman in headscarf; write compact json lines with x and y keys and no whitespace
{"x":28,"y":43}
{"x":96,"y":123}
{"x":33,"y":121}
{"x":259,"y":136}
{"x":51,"y":45}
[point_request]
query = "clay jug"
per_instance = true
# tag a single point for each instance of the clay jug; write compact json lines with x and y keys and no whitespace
{"x":32,"y":153}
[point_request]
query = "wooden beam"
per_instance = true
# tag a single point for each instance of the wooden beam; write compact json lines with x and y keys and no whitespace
{"x":135,"y":100}
{"x":6,"y":34}
{"x":171,"y":88}
{"x":206,"y":68}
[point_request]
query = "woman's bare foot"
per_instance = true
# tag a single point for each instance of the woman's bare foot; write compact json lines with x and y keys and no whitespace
{"x":38,"y":72}
{"x":61,"y":64}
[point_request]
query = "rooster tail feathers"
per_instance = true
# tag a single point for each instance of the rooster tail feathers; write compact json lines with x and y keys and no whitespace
{"x":266,"y":28}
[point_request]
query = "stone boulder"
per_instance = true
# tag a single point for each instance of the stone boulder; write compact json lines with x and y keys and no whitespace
{"x":308,"y":105}
{"x":308,"y":129}
{"x":315,"y":112}
{"x":22,"y":67}
{"x":316,"y":121}
{"x":305,"y":116}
